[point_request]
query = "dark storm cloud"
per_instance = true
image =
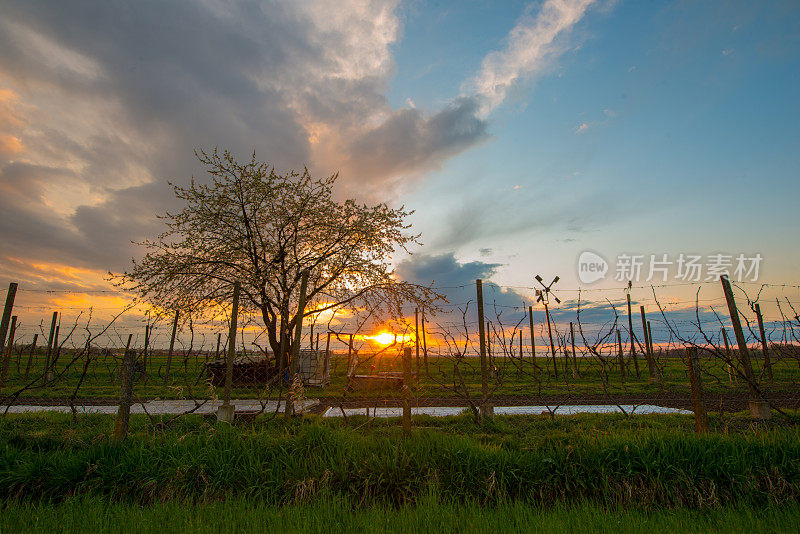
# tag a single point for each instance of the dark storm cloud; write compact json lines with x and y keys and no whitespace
{"x":110,"y":100}
{"x":456,"y":281}
{"x":409,"y":141}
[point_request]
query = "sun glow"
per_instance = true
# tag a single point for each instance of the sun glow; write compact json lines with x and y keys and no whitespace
{"x":387,"y":338}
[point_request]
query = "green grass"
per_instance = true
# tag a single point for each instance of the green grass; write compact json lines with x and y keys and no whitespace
{"x":187,"y":378}
{"x":650,"y":462}
{"x":584,"y":473}
{"x":338,"y":515}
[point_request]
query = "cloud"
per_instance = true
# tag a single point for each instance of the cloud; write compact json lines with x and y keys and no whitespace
{"x":584,"y":126}
{"x":9,"y":145}
{"x":101,"y":104}
{"x":408,"y":141}
{"x":456,"y":281}
{"x":531,"y":44}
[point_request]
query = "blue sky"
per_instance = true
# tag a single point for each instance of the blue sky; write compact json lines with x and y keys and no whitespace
{"x":689,"y":144}
{"x":522,"y":133}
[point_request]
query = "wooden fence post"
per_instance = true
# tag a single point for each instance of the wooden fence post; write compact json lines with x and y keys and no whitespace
{"x":226,"y":410}
{"x":171,"y":348}
{"x":146,"y":348}
{"x":486,"y":410}
{"x":696,"y":382}
{"x":327,"y":363}
{"x":728,"y":355}
{"x":301,"y":309}
{"x":759,"y":408}
{"x":31,"y":356}
{"x":50,"y":338}
{"x":350,"y":363}
{"x":416,"y":336}
{"x":489,"y":359}
{"x":533,"y":341}
{"x":7,"y":358}
{"x":126,"y":392}
{"x":550,"y":335}
{"x":651,"y":364}
{"x":630,"y":331}
{"x":764,"y":344}
{"x":10,"y":295}
{"x":621,"y":357}
{"x":407,"y":380}
{"x":576,"y":372}
{"x":424,"y":343}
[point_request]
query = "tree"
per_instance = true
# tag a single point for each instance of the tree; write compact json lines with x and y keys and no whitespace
{"x":264,"y":229}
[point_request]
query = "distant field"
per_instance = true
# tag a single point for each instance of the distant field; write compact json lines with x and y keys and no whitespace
{"x":526,"y":378}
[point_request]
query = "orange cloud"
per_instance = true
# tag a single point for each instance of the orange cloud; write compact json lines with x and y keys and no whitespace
{"x":9,"y":119}
{"x":67,"y":273}
{"x":10,"y":145}
{"x":8,"y":114}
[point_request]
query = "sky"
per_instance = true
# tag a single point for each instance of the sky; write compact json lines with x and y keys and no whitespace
{"x":522,"y":133}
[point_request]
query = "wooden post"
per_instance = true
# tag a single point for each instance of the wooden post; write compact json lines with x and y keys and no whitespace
{"x":576,"y":372}
{"x":424,"y":343}
{"x":10,"y":295}
{"x":225,"y":412}
{"x":327,"y":363}
{"x":171,"y":348}
{"x":126,"y":392}
{"x":696,"y":382}
{"x":485,"y":409}
{"x":146,"y":348}
{"x":533,"y":340}
{"x":759,"y":409}
{"x":50,"y":338}
{"x":416,"y":336}
{"x":550,"y":335}
{"x":489,"y":360}
{"x":349,"y":354}
{"x":651,"y":364}
{"x":298,"y":332}
{"x":7,"y":358}
{"x":31,"y":356}
{"x":630,"y":331}
{"x":621,"y":357}
{"x":56,"y":346}
{"x":652,"y":351}
{"x":764,"y":344}
{"x":407,"y":391}
{"x":728,"y":355}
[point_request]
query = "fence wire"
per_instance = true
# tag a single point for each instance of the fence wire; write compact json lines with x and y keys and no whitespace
{"x":579,"y":353}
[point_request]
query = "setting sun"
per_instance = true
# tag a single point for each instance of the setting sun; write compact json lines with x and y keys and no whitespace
{"x":384,"y":338}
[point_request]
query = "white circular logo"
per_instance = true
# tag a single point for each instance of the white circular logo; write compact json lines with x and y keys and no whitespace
{"x":591,"y":267}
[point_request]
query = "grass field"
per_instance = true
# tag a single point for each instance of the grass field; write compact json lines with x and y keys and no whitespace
{"x":338,"y":515}
{"x":518,"y":473}
{"x":524,"y":378}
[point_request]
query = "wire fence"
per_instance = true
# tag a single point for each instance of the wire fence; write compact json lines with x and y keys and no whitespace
{"x":624,"y":350}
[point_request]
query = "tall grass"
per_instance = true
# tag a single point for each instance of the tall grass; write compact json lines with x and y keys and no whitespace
{"x":648,"y":467}
{"x":338,"y":515}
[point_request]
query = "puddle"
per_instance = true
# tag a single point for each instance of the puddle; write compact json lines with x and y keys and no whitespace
{"x":443,"y":411}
